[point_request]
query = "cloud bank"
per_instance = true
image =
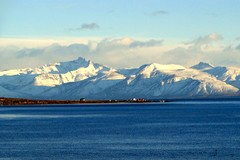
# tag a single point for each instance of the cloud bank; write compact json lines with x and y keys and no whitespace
{"x":126,"y":52}
{"x":207,"y":39}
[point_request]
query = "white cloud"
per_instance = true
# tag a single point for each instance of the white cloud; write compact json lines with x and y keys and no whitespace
{"x":43,"y":42}
{"x":203,"y":40}
{"x":124,"y":52}
{"x":116,"y":52}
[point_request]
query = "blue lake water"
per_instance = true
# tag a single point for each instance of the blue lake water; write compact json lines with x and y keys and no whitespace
{"x":180,"y":130}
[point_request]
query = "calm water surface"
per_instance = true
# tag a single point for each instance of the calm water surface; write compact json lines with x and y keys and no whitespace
{"x":181,"y":130}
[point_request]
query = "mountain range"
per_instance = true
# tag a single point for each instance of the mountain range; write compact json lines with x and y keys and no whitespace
{"x":83,"y":78}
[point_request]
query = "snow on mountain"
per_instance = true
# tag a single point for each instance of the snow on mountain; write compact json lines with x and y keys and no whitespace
{"x":86,"y":88}
{"x":154,"y":81}
{"x":74,"y":74}
{"x":32,"y":82}
{"x":82,"y":78}
{"x":56,"y":68}
{"x":15,"y":72}
{"x":230,"y":75}
{"x":153,"y":69}
{"x":53,"y":74}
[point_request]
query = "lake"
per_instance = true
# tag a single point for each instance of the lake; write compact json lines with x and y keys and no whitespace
{"x":174,"y":130}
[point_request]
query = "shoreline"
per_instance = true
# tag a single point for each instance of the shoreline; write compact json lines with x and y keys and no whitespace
{"x":25,"y":102}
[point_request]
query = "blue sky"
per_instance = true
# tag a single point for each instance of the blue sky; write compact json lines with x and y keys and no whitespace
{"x":175,"y":19}
{"x":120,"y":33}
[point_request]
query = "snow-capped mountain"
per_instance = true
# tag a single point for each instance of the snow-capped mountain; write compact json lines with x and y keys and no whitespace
{"x":82,"y":78}
{"x":230,"y":75}
{"x":163,"y":81}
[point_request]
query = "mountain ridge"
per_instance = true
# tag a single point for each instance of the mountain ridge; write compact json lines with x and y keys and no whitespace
{"x":84,"y":78}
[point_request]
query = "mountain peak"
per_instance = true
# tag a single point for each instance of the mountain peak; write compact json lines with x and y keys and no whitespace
{"x":202,"y":66}
{"x":165,"y":67}
{"x":79,"y":60}
{"x":151,"y":69}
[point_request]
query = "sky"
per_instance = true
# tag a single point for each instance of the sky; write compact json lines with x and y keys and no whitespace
{"x":117,"y":32}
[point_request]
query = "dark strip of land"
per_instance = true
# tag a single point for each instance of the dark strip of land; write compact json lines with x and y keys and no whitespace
{"x":17,"y":101}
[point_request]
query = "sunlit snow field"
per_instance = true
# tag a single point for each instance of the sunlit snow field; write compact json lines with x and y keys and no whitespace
{"x":179,"y":130}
